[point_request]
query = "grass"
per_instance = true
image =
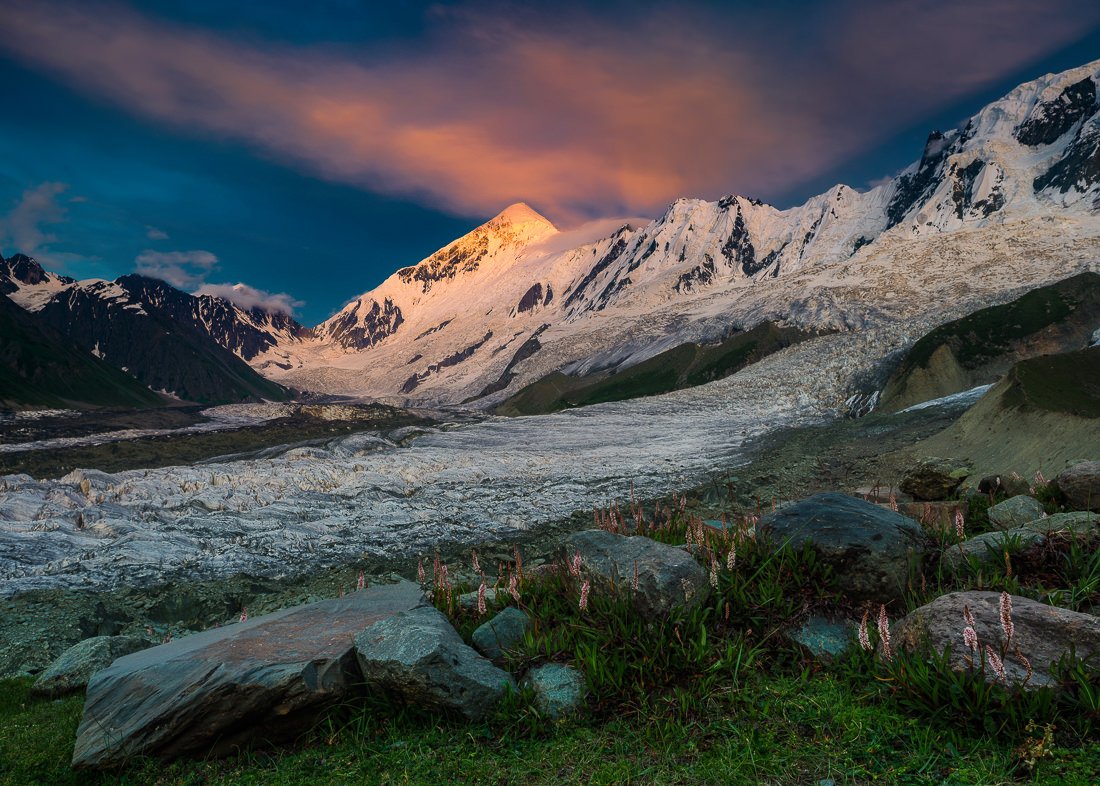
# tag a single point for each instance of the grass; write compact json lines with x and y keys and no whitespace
{"x":989,"y":332}
{"x":717,"y":694}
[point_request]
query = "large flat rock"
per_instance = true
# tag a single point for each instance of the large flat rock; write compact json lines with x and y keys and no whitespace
{"x":247,"y":683}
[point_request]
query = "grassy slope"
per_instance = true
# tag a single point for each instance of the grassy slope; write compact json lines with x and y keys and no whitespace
{"x":776,"y":730}
{"x":682,"y":366}
{"x":39,"y":367}
{"x":979,"y":348}
{"x":1043,"y":415}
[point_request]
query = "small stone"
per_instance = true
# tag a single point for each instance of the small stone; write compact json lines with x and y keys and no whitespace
{"x":824,"y":638}
{"x":502,"y":632}
{"x":559,"y":689}
{"x":1015,"y":512}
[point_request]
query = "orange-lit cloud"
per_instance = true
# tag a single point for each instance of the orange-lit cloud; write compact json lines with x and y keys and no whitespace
{"x":582,"y":116}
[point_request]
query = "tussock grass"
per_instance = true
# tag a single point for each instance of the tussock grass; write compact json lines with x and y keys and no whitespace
{"x":716,"y":695}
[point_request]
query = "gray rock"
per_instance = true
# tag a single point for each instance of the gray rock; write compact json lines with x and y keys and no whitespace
{"x":1042,"y":633}
{"x":252,"y":682}
{"x":1078,"y":523}
{"x":824,"y":638}
{"x":559,"y":689}
{"x":502,"y":632}
{"x":989,"y":547}
{"x":669,"y":580}
{"x":72,"y":670}
{"x":420,"y":657}
{"x":1015,"y":512}
{"x":1080,"y":485}
{"x":1005,"y":483}
{"x":868,"y":547}
{"x":934,"y":479}
{"x":467,"y":601}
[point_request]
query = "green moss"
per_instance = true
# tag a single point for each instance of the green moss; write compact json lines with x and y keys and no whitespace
{"x":988,"y":333}
{"x":1068,"y":383}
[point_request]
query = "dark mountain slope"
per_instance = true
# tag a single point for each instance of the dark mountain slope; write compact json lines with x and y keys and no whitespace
{"x":40,"y":367}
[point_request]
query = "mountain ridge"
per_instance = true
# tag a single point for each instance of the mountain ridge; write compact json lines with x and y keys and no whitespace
{"x":1023,"y":170}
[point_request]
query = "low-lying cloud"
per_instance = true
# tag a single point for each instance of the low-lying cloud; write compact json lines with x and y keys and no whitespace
{"x":589,"y":115}
{"x":247,"y":297}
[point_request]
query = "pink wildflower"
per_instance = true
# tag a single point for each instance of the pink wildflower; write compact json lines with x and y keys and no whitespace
{"x":420,"y":571}
{"x":583,"y":605}
{"x":575,"y":565}
{"x":970,"y":638}
{"x":714,"y":573}
{"x":893,"y":501}
{"x":1039,"y":479}
{"x":481,"y":608}
{"x":476,"y":564}
{"x":513,"y":586}
{"x":968,"y":618}
{"x":884,"y":632}
{"x":960,"y":524}
{"x":864,"y":638}
{"x":362,"y":583}
{"x":731,"y":558}
{"x":244,"y":614}
{"x":996,"y":664}
{"x":1006,"y":617}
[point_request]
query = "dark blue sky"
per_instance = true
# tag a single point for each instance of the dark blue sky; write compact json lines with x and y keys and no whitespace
{"x":208,"y":171}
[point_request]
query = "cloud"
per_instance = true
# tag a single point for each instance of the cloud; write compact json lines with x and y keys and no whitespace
{"x":588,"y":232}
{"x":155,"y":234}
{"x":587,"y":114}
{"x":181,"y":269}
{"x":23,"y":229}
{"x":249,"y":297}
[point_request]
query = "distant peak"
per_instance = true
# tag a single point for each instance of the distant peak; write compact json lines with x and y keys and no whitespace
{"x":518,"y":214}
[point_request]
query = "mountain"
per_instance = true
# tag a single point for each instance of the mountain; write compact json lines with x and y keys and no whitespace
{"x":1005,"y":203}
{"x":172,"y":342}
{"x":41,"y":368}
{"x":980,"y":348}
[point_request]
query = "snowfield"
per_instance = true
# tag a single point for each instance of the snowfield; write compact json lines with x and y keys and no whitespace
{"x":365,"y":494}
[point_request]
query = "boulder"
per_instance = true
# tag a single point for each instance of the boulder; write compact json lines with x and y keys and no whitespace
{"x":868,"y":547}
{"x":669,"y":579}
{"x":1008,"y":484}
{"x":76,"y":665}
{"x":1080,"y":485}
{"x":417,"y":656}
{"x":934,"y":479}
{"x":989,"y":547}
{"x":559,"y":689}
{"x":1042,"y":633}
{"x":1079,"y":523}
{"x":262,"y":680}
{"x":824,"y":638}
{"x":503,"y":632}
{"x":1015,"y":512}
